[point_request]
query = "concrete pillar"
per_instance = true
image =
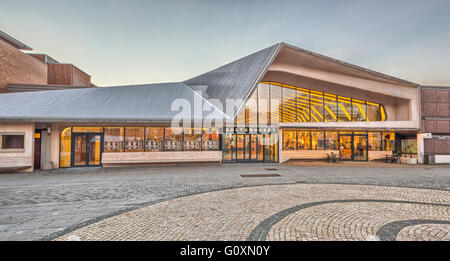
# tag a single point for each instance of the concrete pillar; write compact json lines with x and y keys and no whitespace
{"x":420,"y":146}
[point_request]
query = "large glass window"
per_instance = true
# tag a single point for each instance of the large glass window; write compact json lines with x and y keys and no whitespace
{"x":388,"y":141}
{"x":87,"y":129}
{"x":359,"y":110}
{"x":317,"y":106}
{"x":331,"y":140}
{"x":134,"y":139}
{"x":192,"y":139}
{"x":210,"y":139}
{"x":304,"y":140}
{"x":344,"y":109}
{"x":12,"y":141}
{"x":317,"y":140}
{"x":252,"y":108}
{"x":275,"y":104}
{"x":263,"y":104}
{"x":289,"y":140}
{"x":330,"y":105}
{"x":289,"y":105}
{"x":154,"y":139}
{"x":374,"y":141}
{"x":303,"y":106}
{"x":173,"y":139}
{"x":114,"y":139}
{"x":373,"y":112}
{"x":65,"y":148}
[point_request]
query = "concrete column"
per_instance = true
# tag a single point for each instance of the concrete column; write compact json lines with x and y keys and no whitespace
{"x":420,"y":146}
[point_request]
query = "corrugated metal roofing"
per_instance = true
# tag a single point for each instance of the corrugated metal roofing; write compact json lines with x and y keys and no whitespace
{"x":135,"y":103}
{"x":236,"y":79}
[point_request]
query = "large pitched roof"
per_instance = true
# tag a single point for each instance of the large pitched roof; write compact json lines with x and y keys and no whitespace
{"x":236,"y":79}
{"x":136,"y":103}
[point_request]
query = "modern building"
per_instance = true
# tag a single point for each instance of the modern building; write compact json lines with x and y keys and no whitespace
{"x":281,"y":103}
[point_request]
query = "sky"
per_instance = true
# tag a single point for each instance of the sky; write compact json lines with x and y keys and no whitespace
{"x":122,"y":42}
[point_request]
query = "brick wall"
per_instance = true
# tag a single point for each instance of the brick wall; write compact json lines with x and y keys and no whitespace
{"x":436,"y":146}
{"x":436,"y":110}
{"x":17,"y":67}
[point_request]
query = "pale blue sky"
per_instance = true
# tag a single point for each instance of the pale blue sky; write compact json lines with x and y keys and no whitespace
{"x":143,"y":41}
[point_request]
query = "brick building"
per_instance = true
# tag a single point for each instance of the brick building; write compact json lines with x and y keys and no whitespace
{"x":21,"y":70}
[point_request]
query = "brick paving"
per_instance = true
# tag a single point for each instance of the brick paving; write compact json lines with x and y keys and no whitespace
{"x":233,"y":214}
{"x":48,"y":203}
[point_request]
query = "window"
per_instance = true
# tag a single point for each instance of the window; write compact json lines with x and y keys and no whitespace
{"x":359,"y":110}
{"x":303,"y":106}
{"x":114,"y":139}
{"x":65,"y":148}
{"x":192,"y":139}
{"x":12,"y":141}
{"x":374,"y":141}
{"x":344,"y":109}
{"x":252,"y":108}
{"x":275,"y":104}
{"x":173,"y":140}
{"x":317,"y":140}
{"x":388,"y":141}
{"x":316,"y":106}
{"x":289,"y":140}
{"x":134,"y":139}
{"x":210,"y":139}
{"x":154,"y":139}
{"x":331,"y":141}
{"x":330,"y":105}
{"x":263,"y":104}
{"x":87,"y":129}
{"x":409,"y":146}
{"x":373,"y":112}
{"x":304,"y":140}
{"x":289,"y":105}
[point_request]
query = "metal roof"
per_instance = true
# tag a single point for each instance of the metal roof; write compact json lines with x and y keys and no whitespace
{"x":236,"y":79}
{"x":135,"y":103}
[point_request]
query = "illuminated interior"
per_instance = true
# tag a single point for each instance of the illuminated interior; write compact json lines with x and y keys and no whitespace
{"x":274,"y":102}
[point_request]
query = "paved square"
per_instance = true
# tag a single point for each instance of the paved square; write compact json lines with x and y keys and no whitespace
{"x":46,"y":205}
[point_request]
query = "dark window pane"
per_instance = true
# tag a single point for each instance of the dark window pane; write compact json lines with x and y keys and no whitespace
{"x":374,"y":141}
{"x":15,"y":141}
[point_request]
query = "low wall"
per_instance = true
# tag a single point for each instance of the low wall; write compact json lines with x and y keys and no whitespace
{"x":130,"y":158}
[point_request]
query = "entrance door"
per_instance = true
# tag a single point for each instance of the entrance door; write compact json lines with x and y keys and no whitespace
{"x":86,"y":149}
{"x":346,"y":146}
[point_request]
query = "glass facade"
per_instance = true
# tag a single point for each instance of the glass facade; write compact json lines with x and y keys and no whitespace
{"x":83,"y":147}
{"x":285,"y":103}
{"x":330,"y":140}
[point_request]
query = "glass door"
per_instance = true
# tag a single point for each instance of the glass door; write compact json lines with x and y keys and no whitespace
{"x":345,"y":146}
{"x":360,"y":152}
{"x":86,"y":149}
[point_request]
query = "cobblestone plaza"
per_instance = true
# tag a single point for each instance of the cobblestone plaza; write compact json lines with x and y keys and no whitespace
{"x":307,"y":201}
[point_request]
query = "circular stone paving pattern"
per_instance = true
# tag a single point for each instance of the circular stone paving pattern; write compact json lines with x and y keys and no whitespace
{"x":285,"y":212}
